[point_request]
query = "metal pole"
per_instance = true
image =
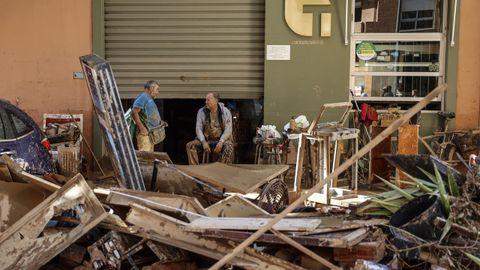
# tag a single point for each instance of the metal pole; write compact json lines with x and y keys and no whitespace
{"x":454,"y":24}
{"x":377,"y":140}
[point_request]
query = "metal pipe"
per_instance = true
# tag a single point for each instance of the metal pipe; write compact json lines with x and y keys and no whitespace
{"x":346,"y":22}
{"x":454,"y":24}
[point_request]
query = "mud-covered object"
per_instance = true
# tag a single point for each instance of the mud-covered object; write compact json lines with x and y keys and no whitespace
{"x":416,"y":217}
{"x":410,"y":164}
{"x":21,"y":139}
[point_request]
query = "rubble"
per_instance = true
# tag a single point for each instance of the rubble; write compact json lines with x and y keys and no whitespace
{"x":167,"y":216}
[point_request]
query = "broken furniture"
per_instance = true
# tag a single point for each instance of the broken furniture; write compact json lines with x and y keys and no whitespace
{"x":245,"y":178}
{"x":26,"y":243}
{"x":109,"y":111}
{"x":322,"y":134}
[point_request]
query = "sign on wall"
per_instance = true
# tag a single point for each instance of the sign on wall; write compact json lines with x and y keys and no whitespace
{"x":302,"y":23}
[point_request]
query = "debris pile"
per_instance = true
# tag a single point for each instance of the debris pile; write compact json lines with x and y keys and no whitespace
{"x":75,"y":226}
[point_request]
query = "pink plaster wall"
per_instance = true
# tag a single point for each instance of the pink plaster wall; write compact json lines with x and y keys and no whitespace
{"x":40,"y":42}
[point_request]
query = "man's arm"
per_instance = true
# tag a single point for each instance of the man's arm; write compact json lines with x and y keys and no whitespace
{"x":136,"y":118}
{"x":199,"y":126}
{"x":227,"y":122}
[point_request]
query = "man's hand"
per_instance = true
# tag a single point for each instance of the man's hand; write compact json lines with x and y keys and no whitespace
{"x":206,"y":147}
{"x":218,"y":148}
{"x":143,"y":130}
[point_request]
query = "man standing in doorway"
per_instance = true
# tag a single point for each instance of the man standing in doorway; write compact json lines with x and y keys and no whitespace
{"x":146,"y":116}
{"x":214,"y":131}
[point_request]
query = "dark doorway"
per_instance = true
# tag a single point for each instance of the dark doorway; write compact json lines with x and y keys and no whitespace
{"x":180,"y":114}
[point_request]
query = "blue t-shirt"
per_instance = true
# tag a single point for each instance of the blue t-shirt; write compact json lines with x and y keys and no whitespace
{"x":147,"y":105}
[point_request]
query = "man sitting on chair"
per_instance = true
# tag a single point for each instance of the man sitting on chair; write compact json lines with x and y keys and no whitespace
{"x":213,"y":130}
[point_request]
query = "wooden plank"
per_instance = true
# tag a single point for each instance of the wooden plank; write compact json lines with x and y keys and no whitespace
{"x":172,"y":234}
{"x":371,"y":251}
{"x":235,"y":206}
{"x":407,"y":144}
{"x":297,"y":186}
{"x":24,"y":243}
{"x":374,"y":142}
{"x":249,"y":224}
{"x":335,"y":224}
{"x":241,"y":178}
{"x":159,"y":201}
{"x":341,"y":239}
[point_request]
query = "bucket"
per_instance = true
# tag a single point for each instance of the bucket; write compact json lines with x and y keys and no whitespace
{"x":416,"y":217}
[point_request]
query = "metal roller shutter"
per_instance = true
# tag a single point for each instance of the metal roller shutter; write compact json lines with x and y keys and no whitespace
{"x":191,"y":47}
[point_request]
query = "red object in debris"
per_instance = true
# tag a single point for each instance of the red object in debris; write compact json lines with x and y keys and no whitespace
{"x":46,"y":144}
{"x":369,"y":114}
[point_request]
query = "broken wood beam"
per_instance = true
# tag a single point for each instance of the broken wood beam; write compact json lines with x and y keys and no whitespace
{"x":344,"y":239}
{"x":393,"y":127}
{"x":169,"y":231}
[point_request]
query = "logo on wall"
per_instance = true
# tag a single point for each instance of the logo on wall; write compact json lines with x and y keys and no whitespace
{"x":302,"y":23}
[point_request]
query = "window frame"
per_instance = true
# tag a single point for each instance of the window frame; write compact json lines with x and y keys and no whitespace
{"x":405,"y":37}
{"x":5,"y":121}
{"x":9,"y":114}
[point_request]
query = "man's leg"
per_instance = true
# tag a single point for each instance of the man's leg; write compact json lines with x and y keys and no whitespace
{"x":227,"y":152}
{"x":144,"y":143}
{"x":192,"y":152}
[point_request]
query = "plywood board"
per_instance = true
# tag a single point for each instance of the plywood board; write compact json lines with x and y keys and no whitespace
{"x":16,"y":200}
{"x":242,"y":178}
{"x":235,"y":206}
{"x":250,"y":224}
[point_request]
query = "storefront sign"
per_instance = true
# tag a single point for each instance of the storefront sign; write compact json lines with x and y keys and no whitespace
{"x":366,"y":51}
{"x":302,"y":23}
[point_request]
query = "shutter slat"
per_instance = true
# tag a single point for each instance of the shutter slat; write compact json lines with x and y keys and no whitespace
{"x":190,"y":46}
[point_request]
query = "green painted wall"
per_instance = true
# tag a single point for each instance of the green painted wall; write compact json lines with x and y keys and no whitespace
{"x":318,"y":71}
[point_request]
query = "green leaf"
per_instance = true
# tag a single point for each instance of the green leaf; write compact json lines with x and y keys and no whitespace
{"x":452,"y":184}
{"x":396,"y":204}
{"x":420,"y":184}
{"x":441,"y":190}
{"x":394,"y":187}
{"x":429,"y":175}
{"x":446,"y":228}
{"x":475,"y":259}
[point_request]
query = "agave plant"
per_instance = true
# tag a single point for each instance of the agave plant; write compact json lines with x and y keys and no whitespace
{"x":388,"y":202}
